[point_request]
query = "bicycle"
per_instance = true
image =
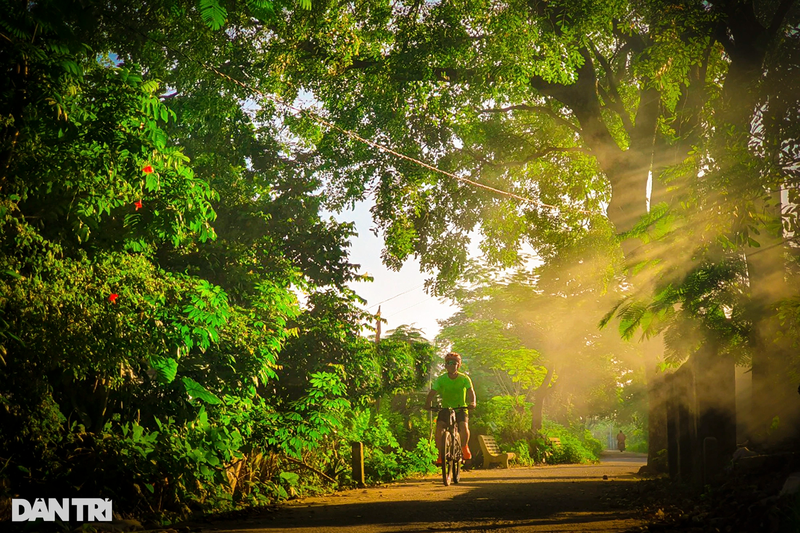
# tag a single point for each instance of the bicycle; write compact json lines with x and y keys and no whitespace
{"x":451,"y":447}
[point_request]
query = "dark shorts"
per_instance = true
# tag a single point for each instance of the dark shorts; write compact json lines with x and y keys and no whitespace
{"x":462,"y":415}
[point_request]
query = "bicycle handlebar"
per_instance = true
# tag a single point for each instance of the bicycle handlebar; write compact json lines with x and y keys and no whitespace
{"x":437,"y":409}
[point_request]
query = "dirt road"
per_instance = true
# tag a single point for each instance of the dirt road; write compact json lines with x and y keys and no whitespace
{"x":548,"y":498}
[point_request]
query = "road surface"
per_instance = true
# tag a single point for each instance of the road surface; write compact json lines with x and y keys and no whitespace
{"x":556,"y":498}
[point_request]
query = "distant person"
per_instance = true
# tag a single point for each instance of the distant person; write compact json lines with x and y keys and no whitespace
{"x":621,"y":441}
{"x":456,"y":390}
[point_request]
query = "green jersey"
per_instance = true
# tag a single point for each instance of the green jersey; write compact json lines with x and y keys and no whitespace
{"x":453,"y":391}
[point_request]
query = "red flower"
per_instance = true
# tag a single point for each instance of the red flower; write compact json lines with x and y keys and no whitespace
{"x":148,"y":169}
{"x":113,"y":298}
{"x":138,"y":204}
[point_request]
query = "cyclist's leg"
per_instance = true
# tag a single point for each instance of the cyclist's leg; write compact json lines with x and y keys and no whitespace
{"x":463,"y":428}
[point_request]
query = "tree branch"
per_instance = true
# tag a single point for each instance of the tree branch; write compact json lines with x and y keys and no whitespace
{"x":448,"y":74}
{"x":537,"y":109}
{"x":301,"y":463}
{"x":635,"y":41}
{"x":617,"y":108}
{"x":612,"y":81}
{"x":722,"y":37}
{"x":536,"y":155}
{"x":613,"y":98}
{"x":778,"y":18}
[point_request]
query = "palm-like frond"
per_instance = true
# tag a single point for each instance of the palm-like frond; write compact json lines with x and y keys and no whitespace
{"x":213,"y":13}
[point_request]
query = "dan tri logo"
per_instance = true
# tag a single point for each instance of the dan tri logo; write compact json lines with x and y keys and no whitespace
{"x":84,"y":509}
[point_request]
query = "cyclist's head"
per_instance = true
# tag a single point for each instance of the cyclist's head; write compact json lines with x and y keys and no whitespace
{"x":452,"y":359}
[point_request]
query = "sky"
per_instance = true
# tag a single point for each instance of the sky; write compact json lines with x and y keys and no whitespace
{"x":401,"y":295}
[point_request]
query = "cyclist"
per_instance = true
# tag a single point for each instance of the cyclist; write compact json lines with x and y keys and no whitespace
{"x":456,"y":390}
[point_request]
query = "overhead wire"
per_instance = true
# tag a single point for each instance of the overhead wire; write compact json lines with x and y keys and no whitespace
{"x":407,"y":308}
{"x":397,"y":295}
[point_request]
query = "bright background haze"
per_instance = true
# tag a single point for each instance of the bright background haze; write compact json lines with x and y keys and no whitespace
{"x":400,"y":294}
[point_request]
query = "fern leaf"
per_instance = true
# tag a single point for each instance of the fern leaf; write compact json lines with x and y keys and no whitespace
{"x":608,"y":316}
{"x":213,"y":14}
{"x":261,"y":4}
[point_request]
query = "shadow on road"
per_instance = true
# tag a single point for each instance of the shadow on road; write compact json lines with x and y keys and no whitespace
{"x":541,"y":499}
{"x":615,"y":456}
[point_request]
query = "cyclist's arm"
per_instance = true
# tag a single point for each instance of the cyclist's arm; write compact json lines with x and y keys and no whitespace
{"x":429,"y":399}
{"x":471,"y":401}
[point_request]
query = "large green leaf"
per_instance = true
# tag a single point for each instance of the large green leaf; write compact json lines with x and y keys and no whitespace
{"x":195,"y":390}
{"x":166,"y":369}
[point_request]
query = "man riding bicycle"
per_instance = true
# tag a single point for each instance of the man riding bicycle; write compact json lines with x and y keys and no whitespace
{"x":456,"y":390}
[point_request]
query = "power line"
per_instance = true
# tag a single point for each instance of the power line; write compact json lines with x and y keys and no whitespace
{"x":407,"y":308}
{"x":396,"y":295}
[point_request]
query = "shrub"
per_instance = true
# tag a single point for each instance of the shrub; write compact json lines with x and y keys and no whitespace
{"x":573,"y":449}
{"x":592,"y":444}
{"x":384,"y":458}
{"x":522,"y":448}
{"x":507,"y":418}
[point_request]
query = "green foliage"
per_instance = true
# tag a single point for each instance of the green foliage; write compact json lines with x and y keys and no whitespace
{"x":504,"y":417}
{"x":705,"y":306}
{"x":155,"y":231}
{"x":595,"y":446}
{"x":577,"y":446}
{"x":141,"y":311}
{"x":313,"y":417}
{"x":638,"y":442}
{"x":522,"y":450}
{"x":384,"y":458}
{"x":400,"y":362}
{"x":405,"y":358}
{"x":172,"y":468}
{"x":635,"y":430}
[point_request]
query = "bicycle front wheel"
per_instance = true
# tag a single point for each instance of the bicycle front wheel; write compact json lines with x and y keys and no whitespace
{"x":447,"y":455}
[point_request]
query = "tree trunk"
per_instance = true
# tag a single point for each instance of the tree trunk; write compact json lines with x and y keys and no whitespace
{"x":656,"y":406}
{"x":775,"y":409}
{"x":539,"y":396}
{"x":715,"y":407}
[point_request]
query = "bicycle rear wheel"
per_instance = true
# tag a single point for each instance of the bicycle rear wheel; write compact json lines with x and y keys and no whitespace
{"x":447,"y":454}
